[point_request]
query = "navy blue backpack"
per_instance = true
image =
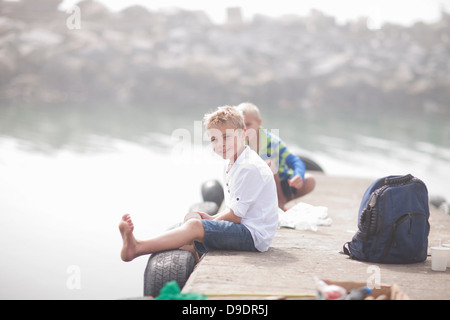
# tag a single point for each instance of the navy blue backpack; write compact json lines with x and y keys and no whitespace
{"x":393,"y":222}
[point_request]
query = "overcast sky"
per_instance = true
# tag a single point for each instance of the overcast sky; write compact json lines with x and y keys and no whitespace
{"x":405,"y":12}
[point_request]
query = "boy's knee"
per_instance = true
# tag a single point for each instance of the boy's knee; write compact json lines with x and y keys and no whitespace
{"x":195,"y":226}
{"x":311,"y":181}
{"x":192,"y":215}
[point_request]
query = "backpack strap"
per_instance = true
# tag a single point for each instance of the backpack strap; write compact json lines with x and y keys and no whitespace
{"x":346,"y":249}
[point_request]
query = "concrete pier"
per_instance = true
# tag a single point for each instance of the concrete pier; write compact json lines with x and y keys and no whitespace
{"x":295,"y":257}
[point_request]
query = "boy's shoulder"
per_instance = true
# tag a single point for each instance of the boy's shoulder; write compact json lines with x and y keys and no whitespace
{"x":252,"y":162}
{"x":250,"y":157}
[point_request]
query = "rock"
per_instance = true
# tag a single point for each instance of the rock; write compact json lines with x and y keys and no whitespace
{"x":180,"y":57}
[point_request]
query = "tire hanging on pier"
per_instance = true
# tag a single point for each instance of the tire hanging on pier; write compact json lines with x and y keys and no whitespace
{"x":166,"y":266}
{"x":310,"y":164}
{"x":212,"y":191}
{"x":209,"y":207}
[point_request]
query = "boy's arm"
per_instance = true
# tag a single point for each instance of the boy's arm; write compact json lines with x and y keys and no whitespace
{"x":279,"y":153}
{"x":296,"y":164}
{"x":224,"y":215}
{"x":293,"y":162}
{"x":228,"y":216}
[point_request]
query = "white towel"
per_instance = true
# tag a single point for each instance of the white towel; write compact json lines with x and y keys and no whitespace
{"x":304,"y":216}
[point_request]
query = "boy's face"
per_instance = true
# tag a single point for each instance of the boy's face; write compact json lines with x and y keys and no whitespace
{"x":226,"y":141}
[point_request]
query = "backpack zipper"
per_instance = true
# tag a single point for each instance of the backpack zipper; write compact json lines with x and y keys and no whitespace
{"x":394,"y":228}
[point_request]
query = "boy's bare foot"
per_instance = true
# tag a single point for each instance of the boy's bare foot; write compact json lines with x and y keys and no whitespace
{"x":129,"y":249}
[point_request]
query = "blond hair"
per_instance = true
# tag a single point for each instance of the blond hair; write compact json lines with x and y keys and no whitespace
{"x":225,"y":115}
{"x":249,"y":109}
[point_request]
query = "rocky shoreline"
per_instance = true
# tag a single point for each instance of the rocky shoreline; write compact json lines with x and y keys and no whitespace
{"x":182,"y":59}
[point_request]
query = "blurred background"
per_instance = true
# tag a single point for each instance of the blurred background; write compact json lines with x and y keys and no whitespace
{"x":100,"y":103}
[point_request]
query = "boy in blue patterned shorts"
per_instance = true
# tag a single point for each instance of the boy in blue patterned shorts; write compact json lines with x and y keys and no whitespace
{"x":250,"y":219}
{"x":289,"y":170}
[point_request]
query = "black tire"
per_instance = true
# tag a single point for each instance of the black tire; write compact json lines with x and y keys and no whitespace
{"x":209,"y":207}
{"x":212,"y":191}
{"x":166,"y":266}
{"x":310,"y":165}
{"x":437,"y":200}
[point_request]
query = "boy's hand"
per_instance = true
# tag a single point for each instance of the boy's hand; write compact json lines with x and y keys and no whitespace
{"x":296,"y":182}
{"x":204,"y":215}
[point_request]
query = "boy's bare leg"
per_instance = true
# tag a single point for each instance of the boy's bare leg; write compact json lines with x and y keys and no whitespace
{"x":308,"y":185}
{"x":172,"y":239}
{"x":281,"y":197}
{"x":190,"y":247}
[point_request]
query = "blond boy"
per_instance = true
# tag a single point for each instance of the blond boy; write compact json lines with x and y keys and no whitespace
{"x":250,"y":219}
{"x":290,"y":177}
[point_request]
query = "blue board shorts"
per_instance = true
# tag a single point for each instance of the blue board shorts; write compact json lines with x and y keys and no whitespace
{"x":225,"y":235}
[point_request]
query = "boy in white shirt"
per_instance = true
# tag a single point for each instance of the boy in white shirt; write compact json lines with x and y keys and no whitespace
{"x":250,"y":221}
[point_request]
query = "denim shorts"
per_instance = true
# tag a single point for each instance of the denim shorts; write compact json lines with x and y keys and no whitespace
{"x":225,"y":235}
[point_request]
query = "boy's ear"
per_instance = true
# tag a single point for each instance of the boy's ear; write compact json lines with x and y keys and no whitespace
{"x":259,"y":122}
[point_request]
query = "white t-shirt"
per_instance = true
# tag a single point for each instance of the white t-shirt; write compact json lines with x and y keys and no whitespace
{"x":251,"y":193}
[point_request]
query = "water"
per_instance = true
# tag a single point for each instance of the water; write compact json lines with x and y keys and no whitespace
{"x":67,"y":176}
